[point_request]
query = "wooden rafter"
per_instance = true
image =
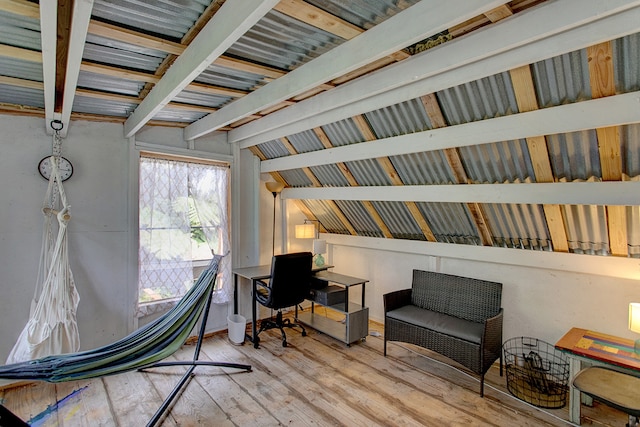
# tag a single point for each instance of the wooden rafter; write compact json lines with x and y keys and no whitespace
{"x":602,"y":83}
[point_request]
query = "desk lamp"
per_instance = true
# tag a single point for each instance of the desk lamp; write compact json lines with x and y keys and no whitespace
{"x":309,"y":231}
{"x":634,"y":322}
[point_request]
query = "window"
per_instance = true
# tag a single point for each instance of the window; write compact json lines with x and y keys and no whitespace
{"x":183,"y":220}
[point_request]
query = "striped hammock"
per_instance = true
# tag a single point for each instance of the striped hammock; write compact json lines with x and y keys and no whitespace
{"x":142,"y":348}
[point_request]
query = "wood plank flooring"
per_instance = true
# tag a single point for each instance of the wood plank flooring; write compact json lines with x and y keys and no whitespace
{"x":315,"y":381}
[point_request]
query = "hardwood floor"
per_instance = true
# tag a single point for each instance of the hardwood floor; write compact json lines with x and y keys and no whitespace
{"x":315,"y":381}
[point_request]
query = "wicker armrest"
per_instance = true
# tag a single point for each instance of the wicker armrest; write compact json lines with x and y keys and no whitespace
{"x":492,"y":338}
{"x":396,"y":299}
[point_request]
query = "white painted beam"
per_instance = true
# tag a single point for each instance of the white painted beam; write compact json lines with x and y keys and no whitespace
{"x":234,"y":18}
{"x":415,"y":23}
{"x":603,"y":112}
{"x":81,"y":15}
{"x":549,"y":30}
{"x":612,"y":193}
{"x":48,"y":39}
{"x":611,"y":266}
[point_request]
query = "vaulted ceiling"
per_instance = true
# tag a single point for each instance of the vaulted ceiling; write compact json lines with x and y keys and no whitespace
{"x":492,"y":123}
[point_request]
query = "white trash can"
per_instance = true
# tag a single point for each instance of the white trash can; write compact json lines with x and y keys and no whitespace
{"x":236,"y":325}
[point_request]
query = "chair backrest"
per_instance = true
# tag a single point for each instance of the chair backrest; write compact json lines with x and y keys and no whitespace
{"x":464,"y":297}
{"x":290,"y":278}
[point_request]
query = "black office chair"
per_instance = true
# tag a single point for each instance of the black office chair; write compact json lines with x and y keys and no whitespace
{"x":287,"y":286}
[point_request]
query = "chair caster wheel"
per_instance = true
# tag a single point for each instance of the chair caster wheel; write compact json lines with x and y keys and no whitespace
{"x":304,"y":333}
{"x":284,"y":343}
{"x":256,"y":343}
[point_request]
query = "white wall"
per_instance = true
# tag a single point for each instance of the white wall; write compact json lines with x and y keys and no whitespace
{"x":102,"y":252}
{"x":97,"y":231}
{"x":544,"y":294}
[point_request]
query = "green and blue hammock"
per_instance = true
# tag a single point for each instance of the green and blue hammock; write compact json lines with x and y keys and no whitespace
{"x":141,"y":349}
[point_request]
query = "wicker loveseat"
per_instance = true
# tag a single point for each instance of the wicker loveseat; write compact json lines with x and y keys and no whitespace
{"x":458,"y":317}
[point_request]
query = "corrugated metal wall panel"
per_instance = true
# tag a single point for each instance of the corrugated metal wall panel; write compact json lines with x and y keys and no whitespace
{"x":363,"y":13}
{"x":327,"y":217}
{"x":430,"y":167}
{"x":20,"y":31}
{"x":305,"y":142}
{"x":399,"y":119}
{"x":273,"y":149}
{"x":518,"y":226}
{"x":630,"y":149}
{"x":178,"y":115}
{"x":626,"y":57}
{"x":107,"y":51}
{"x":498,"y":162}
{"x":170,"y":18}
{"x":359,"y":218}
{"x":233,"y":79}
{"x":586,"y":229}
{"x":344,"y":132}
{"x":486,"y":98}
{"x":562,"y":79}
{"x":368,"y":172}
{"x":329,"y":176}
{"x":86,"y":104}
{"x":21,"y":69}
{"x":633,"y":230}
{"x":450,"y":223}
{"x":21,"y":96}
{"x":296,"y":178}
{"x":109,"y":84}
{"x":283,"y":42}
{"x":574,"y":155}
{"x":199,"y":98}
{"x":399,"y":220}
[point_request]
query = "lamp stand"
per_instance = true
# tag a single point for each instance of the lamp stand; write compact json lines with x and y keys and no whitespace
{"x":273,"y":233}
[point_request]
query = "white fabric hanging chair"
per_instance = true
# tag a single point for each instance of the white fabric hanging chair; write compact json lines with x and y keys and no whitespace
{"x":52,"y":327}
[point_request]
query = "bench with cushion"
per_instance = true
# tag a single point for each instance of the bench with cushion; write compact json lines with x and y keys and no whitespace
{"x":458,"y":317}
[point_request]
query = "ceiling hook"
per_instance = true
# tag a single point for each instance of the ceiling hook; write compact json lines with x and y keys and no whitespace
{"x":56,"y":125}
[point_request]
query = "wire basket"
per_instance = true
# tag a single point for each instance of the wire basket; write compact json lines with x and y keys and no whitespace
{"x":537,"y":372}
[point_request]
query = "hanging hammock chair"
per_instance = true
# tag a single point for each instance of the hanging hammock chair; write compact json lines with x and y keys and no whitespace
{"x":52,"y":327}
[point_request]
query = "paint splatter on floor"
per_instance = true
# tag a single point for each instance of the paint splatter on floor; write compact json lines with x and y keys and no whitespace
{"x":42,"y":417}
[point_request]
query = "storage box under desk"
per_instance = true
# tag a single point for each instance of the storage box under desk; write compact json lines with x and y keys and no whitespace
{"x":329,"y":295}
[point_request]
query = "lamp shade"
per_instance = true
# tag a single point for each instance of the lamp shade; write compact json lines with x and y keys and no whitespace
{"x":634,"y":316}
{"x":319,"y":246}
{"x":305,"y":231}
{"x":274,"y":186}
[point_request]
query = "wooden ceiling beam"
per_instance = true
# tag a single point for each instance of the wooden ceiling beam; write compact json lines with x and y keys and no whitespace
{"x":409,"y":26}
{"x":610,"y":111}
{"x":74,"y":39}
{"x":538,"y":33}
{"x":615,"y":193}
{"x":233,"y":19}
{"x":601,"y":79}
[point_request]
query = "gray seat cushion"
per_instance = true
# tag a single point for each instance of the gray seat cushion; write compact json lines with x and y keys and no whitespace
{"x":438,"y":322}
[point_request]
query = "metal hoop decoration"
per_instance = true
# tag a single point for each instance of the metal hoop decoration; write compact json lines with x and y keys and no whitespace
{"x":57,"y":126}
